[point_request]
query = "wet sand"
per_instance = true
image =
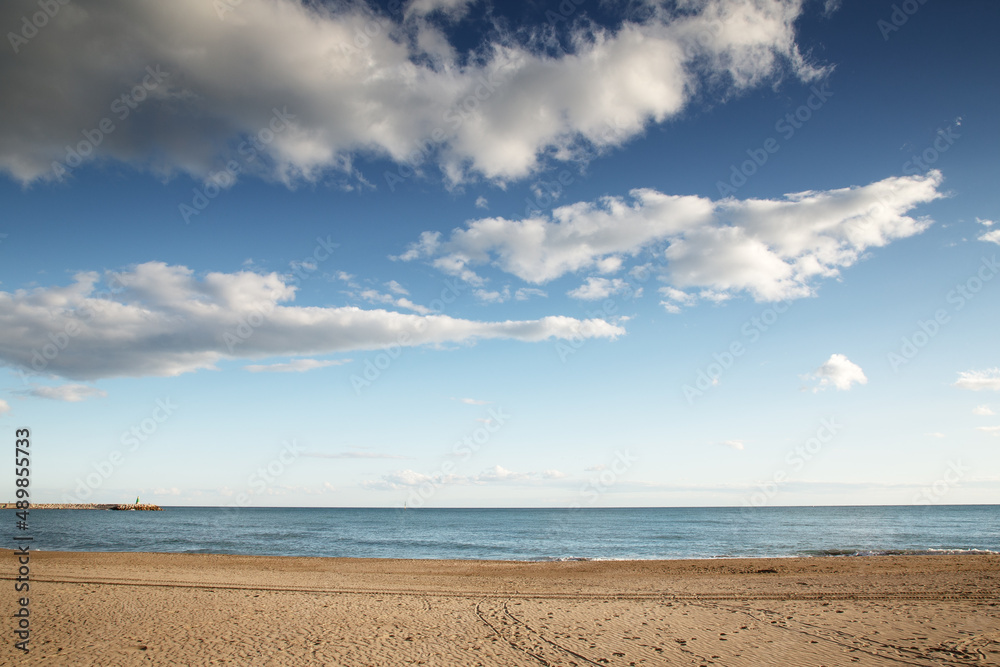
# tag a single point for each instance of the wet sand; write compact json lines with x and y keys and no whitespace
{"x":125,"y":609}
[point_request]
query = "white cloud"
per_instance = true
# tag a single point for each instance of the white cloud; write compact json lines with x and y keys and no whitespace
{"x":598,"y":288}
{"x":983,"y":411}
{"x":298,"y":267}
{"x":610,"y":264}
{"x":374,"y":296}
{"x":525,"y":293}
{"x":396,"y":288}
{"x":402,"y":479}
{"x":984,"y":222}
{"x":992,"y":430}
{"x":482,"y":202}
{"x":71,"y":393}
{"x":409,"y":305}
{"x":165,"y":321}
{"x":336,"y":68}
{"x":4,"y":407}
{"x":426,"y":246}
{"x":988,"y":379}
{"x":492,"y":296}
{"x":771,"y":249}
{"x":451,"y":8}
{"x":839,"y":372}
{"x":351,"y":455}
{"x":735,"y":444}
{"x":675,"y":298}
{"x":498,"y":474}
{"x":472,"y":401}
{"x":671,"y":308}
{"x":830,"y":7}
{"x":295,"y":366}
{"x":991,"y":237}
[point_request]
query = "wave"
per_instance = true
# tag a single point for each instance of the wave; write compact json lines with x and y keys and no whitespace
{"x":899,"y":552}
{"x":808,"y":553}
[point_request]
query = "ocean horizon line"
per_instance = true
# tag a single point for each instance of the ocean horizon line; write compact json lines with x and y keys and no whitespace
{"x":574,"y":509}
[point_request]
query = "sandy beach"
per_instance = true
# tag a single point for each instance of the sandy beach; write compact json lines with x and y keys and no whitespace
{"x":127,"y":608}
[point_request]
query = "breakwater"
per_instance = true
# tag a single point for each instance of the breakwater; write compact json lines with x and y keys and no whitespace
{"x":144,"y":507}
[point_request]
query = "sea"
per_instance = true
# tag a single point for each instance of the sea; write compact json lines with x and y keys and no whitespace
{"x":525,"y":534}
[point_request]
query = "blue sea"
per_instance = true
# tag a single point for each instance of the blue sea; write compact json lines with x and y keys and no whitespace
{"x":525,"y":534}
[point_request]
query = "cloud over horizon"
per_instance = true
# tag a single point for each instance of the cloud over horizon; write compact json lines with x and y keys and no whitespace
{"x":987,"y":379}
{"x":164,"y":321}
{"x":409,"y":479}
{"x":70,"y":393}
{"x":352,"y":455}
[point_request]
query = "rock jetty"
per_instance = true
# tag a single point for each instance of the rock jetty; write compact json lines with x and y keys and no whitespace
{"x":146,"y":507}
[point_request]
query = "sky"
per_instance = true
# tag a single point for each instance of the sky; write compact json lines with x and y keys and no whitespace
{"x":458,"y":253}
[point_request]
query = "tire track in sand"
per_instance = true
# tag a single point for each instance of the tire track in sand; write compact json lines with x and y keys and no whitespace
{"x":522,"y":637}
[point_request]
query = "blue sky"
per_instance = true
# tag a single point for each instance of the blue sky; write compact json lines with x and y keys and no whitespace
{"x":451,"y":253}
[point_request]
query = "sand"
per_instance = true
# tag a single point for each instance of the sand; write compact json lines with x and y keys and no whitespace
{"x":195,"y":609}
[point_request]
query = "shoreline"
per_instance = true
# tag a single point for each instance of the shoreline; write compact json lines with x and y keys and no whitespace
{"x":132,"y":608}
{"x":608,"y":576}
{"x":862,"y":554}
